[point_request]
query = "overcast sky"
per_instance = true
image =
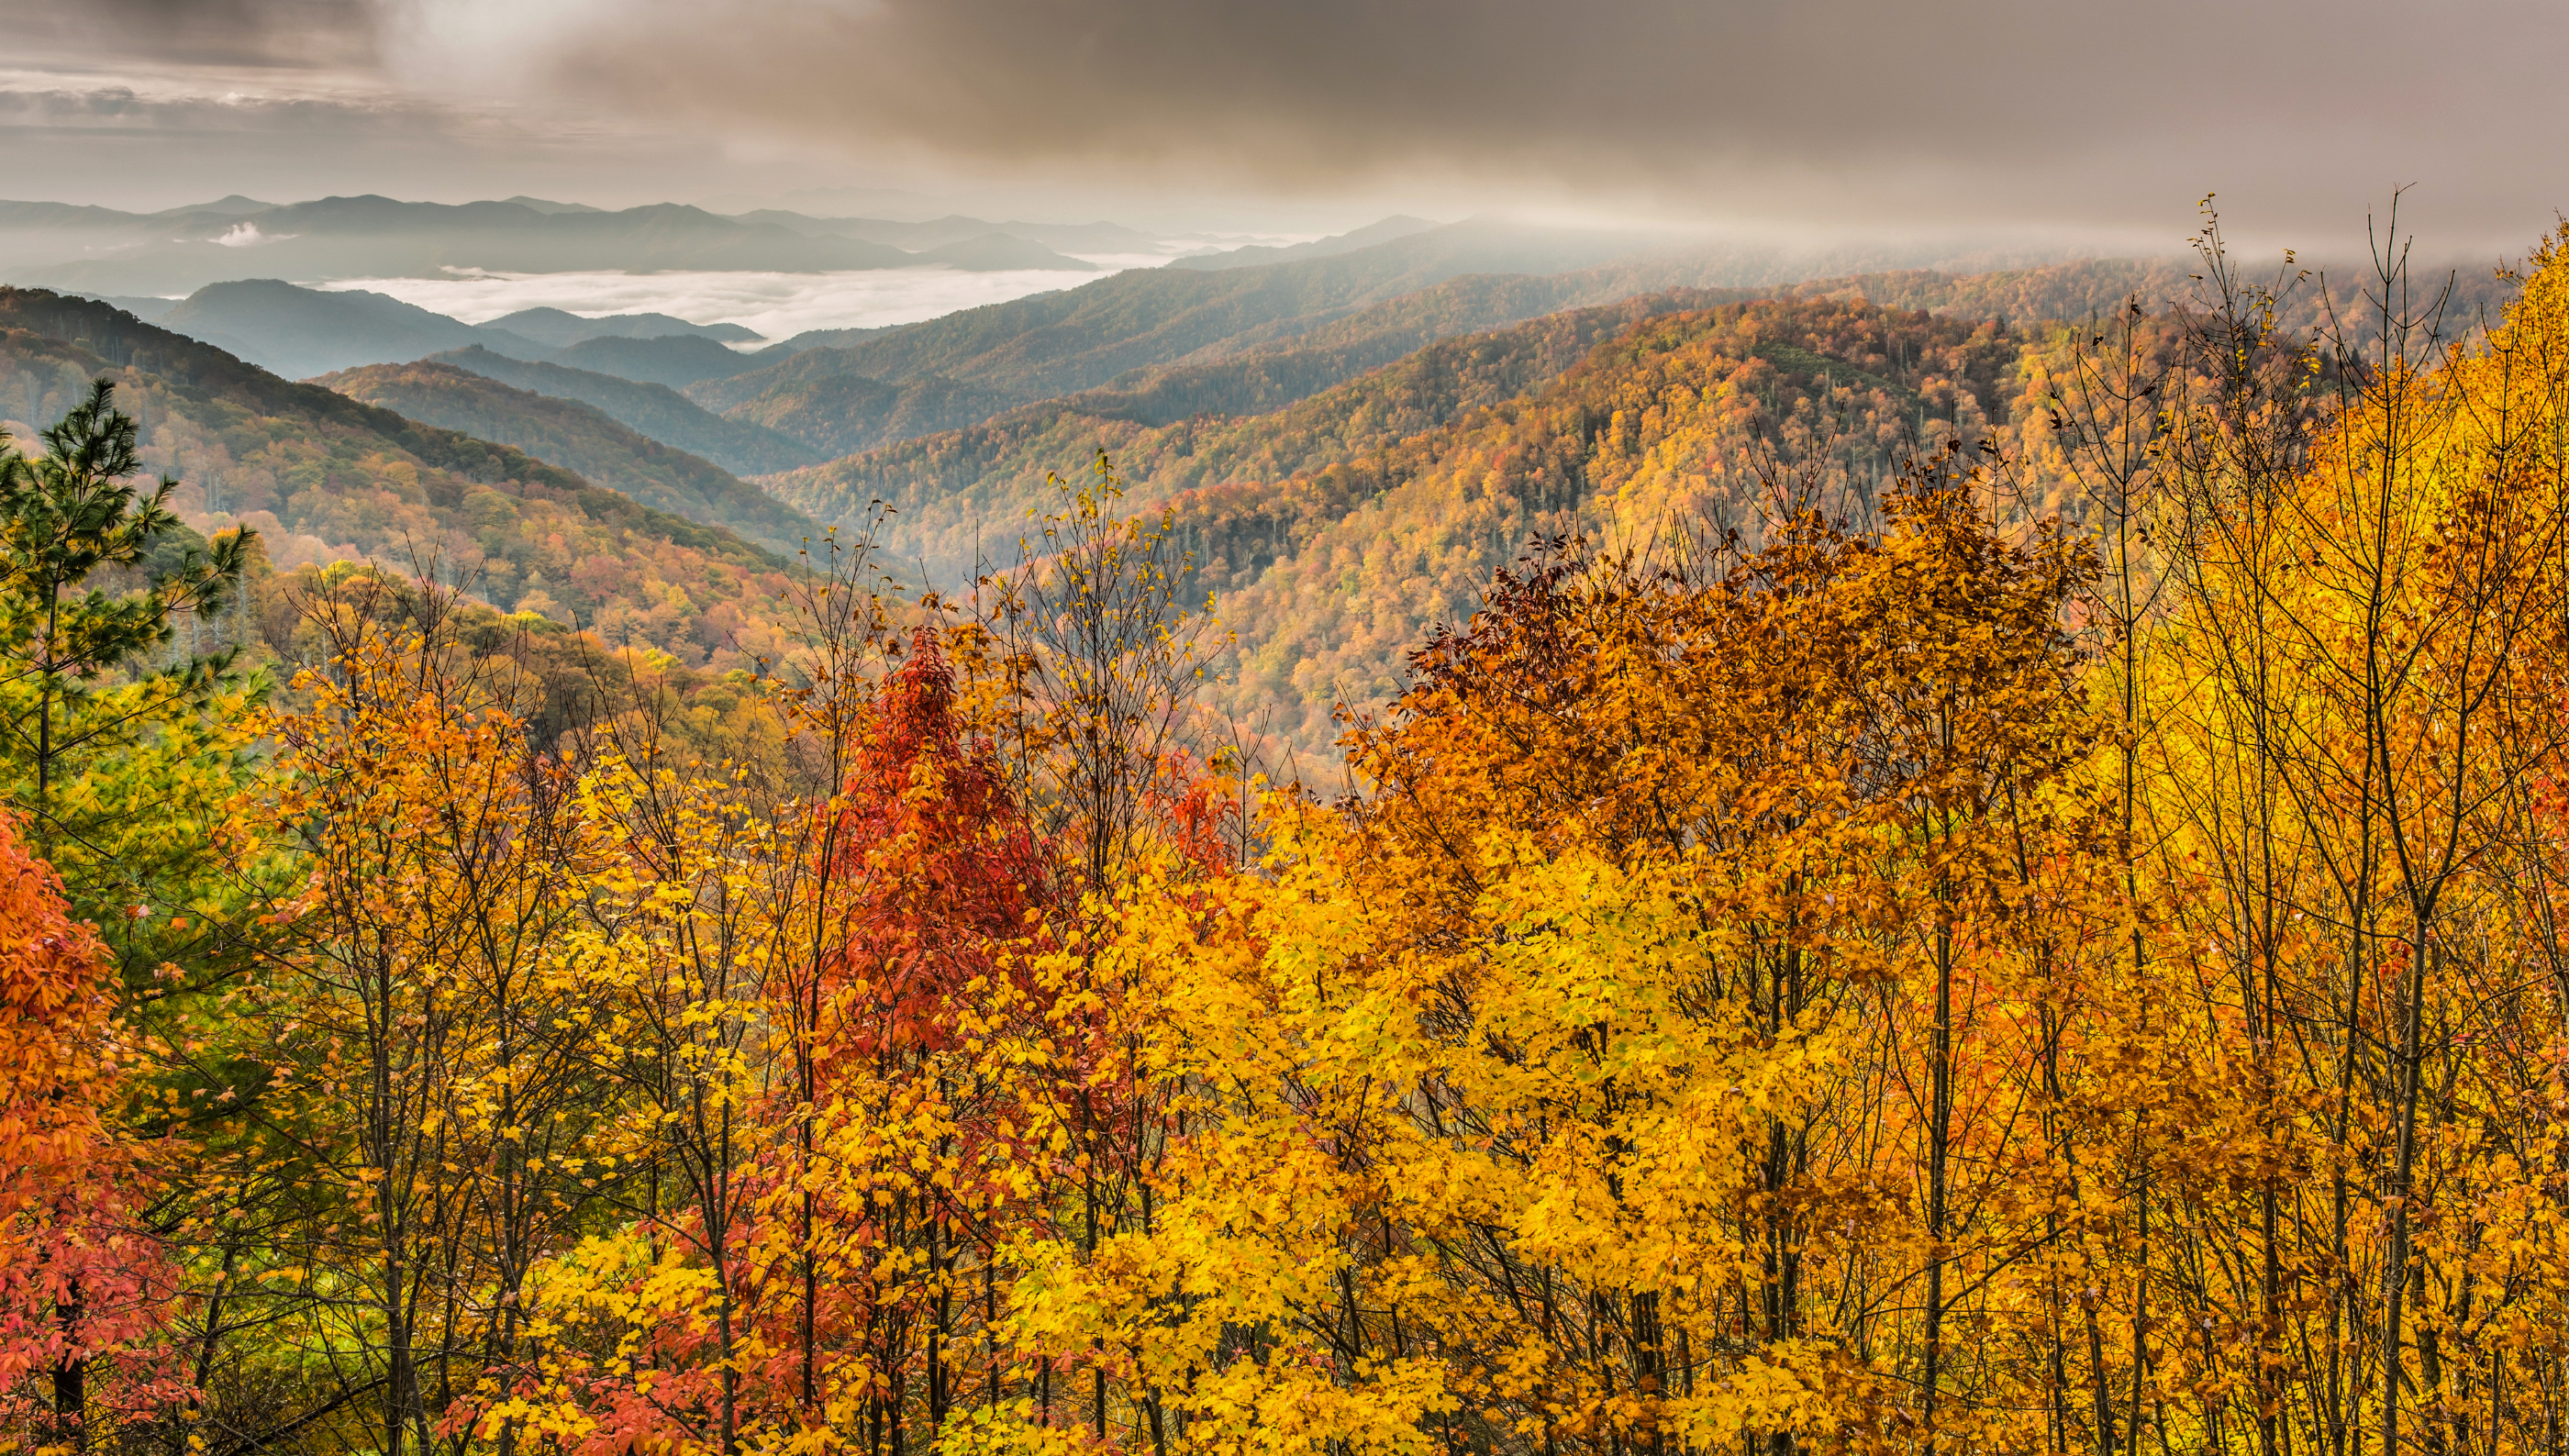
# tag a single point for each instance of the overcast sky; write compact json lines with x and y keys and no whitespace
{"x":1877,"y":116}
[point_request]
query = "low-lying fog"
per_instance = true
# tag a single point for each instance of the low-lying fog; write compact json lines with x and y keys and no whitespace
{"x":775,"y":305}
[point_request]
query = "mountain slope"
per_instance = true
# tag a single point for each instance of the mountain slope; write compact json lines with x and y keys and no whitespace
{"x":2092,"y":287}
{"x":655,"y":410}
{"x":559,"y":328}
{"x":325,"y":477}
{"x":577,"y":438}
{"x":1175,"y":427}
{"x":994,"y":252}
{"x":955,"y":493}
{"x":1059,"y":343}
{"x":920,"y":237}
{"x":1257,"y":255}
{"x":300,"y":331}
{"x":1329,"y":576}
{"x":1221,"y":339}
{"x":840,"y":414}
{"x":674,"y":360}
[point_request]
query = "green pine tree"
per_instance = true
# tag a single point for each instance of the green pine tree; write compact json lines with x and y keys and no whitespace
{"x":118,"y":751}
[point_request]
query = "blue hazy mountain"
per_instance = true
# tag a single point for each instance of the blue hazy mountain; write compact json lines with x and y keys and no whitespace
{"x":561,"y":329}
{"x":298,"y":332}
{"x":1060,"y":237}
{"x":1386,"y":231}
{"x":95,"y":251}
{"x":655,"y":410}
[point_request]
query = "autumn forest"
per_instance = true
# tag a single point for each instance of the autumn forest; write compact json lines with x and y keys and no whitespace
{"x":1708,"y":873}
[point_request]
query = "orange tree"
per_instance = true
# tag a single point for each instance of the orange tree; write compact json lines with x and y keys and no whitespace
{"x":1642,"y":1059}
{"x":84,"y":1283}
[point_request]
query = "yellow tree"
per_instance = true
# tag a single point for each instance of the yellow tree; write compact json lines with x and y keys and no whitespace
{"x":420,"y":1084}
{"x":1632,"y":1065}
{"x":2360,"y":712}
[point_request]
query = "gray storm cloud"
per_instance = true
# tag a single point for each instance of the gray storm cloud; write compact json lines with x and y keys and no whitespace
{"x":1841,"y":109}
{"x":1861,"y":112}
{"x":244,"y":34}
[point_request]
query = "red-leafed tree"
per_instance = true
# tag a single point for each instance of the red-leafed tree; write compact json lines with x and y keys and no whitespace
{"x":942,"y":870}
{"x":936,"y":887}
{"x":82,"y":1288}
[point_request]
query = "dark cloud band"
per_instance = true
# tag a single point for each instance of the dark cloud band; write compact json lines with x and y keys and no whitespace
{"x":1847,"y":108}
{"x":1875,"y":113}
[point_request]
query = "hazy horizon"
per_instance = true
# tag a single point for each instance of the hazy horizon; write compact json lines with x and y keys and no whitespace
{"x":1855,"y":119}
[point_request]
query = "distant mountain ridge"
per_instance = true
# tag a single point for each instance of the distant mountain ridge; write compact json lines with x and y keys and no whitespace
{"x":1061,"y":343}
{"x":561,"y":328}
{"x":298,"y":332}
{"x":655,"y":410}
{"x":579,"y":438}
{"x":99,"y":251}
{"x":1065,"y":237}
{"x":324,"y":476}
{"x":1230,"y":340}
{"x":1258,"y":254}
{"x":993,"y":253}
{"x":543,"y":204}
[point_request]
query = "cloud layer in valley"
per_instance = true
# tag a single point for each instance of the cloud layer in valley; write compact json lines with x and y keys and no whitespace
{"x":1837,"y":112}
{"x":774,"y":306}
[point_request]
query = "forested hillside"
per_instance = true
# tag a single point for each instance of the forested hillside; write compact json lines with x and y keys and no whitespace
{"x":1180,"y":355}
{"x":672,"y":360}
{"x":325,"y":477}
{"x":969,"y":491}
{"x":1057,"y":343}
{"x":834,"y":414}
{"x":650,"y":409}
{"x":1378,"y":576}
{"x":1331,"y":573}
{"x":2096,"y":287}
{"x":580,"y":439}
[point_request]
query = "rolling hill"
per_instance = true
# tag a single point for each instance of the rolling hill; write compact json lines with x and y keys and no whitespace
{"x":1102,"y":238}
{"x":1330,"y":575}
{"x":324,"y":477}
{"x":560,"y":329}
{"x":655,"y":410}
{"x":1060,"y":343}
{"x":579,"y":438}
{"x":957,"y":492}
{"x":1220,"y":339}
{"x":297,"y":332}
{"x":840,"y":414}
{"x":674,"y":360}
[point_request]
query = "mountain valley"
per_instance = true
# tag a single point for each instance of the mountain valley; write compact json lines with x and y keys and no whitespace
{"x":1349,"y":435}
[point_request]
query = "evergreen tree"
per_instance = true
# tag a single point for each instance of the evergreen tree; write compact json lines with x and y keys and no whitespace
{"x":114,"y":747}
